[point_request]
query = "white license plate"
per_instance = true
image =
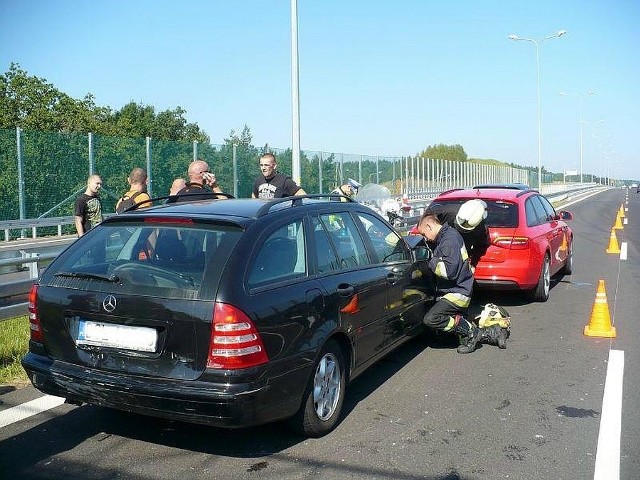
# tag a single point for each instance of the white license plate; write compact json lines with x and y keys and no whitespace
{"x":143,"y":339}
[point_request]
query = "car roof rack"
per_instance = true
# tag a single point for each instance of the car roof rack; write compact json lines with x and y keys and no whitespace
{"x":298,"y":200}
{"x":509,"y":186}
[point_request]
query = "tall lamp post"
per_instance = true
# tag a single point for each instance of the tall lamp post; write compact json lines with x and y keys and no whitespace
{"x":537,"y":44}
{"x":295,"y":96}
{"x":581,"y":97}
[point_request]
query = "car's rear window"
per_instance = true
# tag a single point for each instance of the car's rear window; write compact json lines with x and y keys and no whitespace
{"x":500,"y":213}
{"x":164,"y":260}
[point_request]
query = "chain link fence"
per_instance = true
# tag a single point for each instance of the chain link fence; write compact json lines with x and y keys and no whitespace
{"x":44,"y":172}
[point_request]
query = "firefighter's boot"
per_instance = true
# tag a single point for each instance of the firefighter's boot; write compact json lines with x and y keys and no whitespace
{"x":470,"y":335}
{"x":495,"y":335}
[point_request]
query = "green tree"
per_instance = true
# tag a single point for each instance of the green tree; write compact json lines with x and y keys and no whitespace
{"x":445,"y":152}
{"x":31,"y":103}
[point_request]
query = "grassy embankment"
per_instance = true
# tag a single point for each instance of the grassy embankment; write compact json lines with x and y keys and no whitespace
{"x":14,"y":342}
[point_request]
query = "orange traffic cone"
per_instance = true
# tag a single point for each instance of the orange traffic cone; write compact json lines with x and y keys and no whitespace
{"x":600,"y":322}
{"x":621,"y":211}
{"x":613,"y":243}
{"x":618,"y":224}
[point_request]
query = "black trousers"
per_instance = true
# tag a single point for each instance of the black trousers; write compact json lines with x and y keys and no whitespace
{"x":442,"y":315}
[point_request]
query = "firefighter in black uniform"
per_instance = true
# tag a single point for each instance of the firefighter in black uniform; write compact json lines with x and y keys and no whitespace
{"x":454,"y":285}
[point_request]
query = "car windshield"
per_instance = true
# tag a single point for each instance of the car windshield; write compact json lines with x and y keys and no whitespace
{"x":164,"y":260}
{"x":500,"y":213}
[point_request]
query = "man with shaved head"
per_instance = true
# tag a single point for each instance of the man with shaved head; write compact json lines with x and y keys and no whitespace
{"x":201,"y":181}
{"x":88,"y":208}
{"x":177,"y":185}
{"x":137,"y":194}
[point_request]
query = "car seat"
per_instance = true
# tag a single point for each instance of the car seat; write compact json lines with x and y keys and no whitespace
{"x":170,"y":250}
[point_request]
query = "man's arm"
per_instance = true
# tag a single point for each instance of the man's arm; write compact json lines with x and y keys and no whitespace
{"x":79,"y":227}
{"x":254,"y":192}
{"x":292,"y":188}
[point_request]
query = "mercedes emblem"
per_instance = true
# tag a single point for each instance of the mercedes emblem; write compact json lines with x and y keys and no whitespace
{"x":109,"y":303}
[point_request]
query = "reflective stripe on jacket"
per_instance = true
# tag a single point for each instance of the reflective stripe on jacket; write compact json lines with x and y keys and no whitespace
{"x":450,"y":264}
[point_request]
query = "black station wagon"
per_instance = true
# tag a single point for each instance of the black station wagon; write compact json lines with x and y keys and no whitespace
{"x":227,"y":312}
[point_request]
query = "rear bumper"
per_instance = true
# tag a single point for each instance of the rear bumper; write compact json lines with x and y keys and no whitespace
{"x":507,"y":277}
{"x":216,"y":403}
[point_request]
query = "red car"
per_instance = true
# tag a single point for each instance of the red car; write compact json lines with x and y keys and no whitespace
{"x":529,"y":242}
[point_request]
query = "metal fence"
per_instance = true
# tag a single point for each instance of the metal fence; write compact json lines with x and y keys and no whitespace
{"x":44,"y":172}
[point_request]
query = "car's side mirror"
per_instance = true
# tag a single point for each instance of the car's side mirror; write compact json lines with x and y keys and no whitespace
{"x":419,"y":248}
{"x":564,"y":215}
{"x":423,"y":252}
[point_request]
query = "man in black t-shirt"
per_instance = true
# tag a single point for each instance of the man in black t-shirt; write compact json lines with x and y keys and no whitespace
{"x":88,"y":208}
{"x":271,"y":184}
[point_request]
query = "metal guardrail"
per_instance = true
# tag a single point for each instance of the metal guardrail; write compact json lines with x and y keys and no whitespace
{"x":33,"y":224}
{"x":427,"y":195}
{"x":20,"y":288}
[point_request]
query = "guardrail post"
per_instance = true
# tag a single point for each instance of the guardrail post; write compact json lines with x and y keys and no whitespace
{"x":33,"y":265}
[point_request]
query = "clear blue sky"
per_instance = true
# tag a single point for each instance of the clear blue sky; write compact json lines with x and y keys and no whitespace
{"x":376,"y":77}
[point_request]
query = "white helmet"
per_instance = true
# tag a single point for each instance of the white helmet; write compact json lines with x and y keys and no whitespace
{"x":471,"y":213}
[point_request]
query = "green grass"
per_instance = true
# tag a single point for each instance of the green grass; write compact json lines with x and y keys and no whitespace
{"x":14,"y":343}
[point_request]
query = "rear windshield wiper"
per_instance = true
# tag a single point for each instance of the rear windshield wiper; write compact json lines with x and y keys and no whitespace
{"x":107,"y":278}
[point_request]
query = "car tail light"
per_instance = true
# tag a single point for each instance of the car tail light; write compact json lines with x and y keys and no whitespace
{"x":235,"y":342}
{"x":34,"y":317}
{"x":512,"y":243}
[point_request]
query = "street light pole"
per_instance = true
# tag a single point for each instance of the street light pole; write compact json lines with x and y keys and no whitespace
{"x":581,"y":97}
{"x":537,"y":44}
{"x":295,"y":96}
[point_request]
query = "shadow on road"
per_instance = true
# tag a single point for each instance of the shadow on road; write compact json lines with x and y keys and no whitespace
{"x":65,"y":432}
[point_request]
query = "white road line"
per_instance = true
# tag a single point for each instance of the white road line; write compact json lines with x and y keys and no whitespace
{"x":623,"y":251}
{"x":26,"y":410}
{"x":608,"y":453}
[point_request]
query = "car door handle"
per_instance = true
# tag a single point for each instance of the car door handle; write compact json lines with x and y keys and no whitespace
{"x":345,"y":290}
{"x":394,"y":275}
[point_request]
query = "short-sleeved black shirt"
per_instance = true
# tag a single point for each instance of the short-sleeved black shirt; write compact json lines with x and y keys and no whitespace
{"x":193,"y":189}
{"x":90,"y":209}
{"x":277,"y":186}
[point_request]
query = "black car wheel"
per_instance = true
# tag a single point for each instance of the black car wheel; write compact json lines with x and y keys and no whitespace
{"x":541,"y":292}
{"x":568,"y":267}
{"x":324,"y":395}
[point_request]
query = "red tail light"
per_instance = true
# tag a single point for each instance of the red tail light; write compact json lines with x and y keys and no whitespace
{"x":235,"y":342}
{"x":34,"y":317}
{"x":512,"y":243}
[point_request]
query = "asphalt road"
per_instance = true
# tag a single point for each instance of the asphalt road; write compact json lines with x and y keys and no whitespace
{"x":531,"y":411}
